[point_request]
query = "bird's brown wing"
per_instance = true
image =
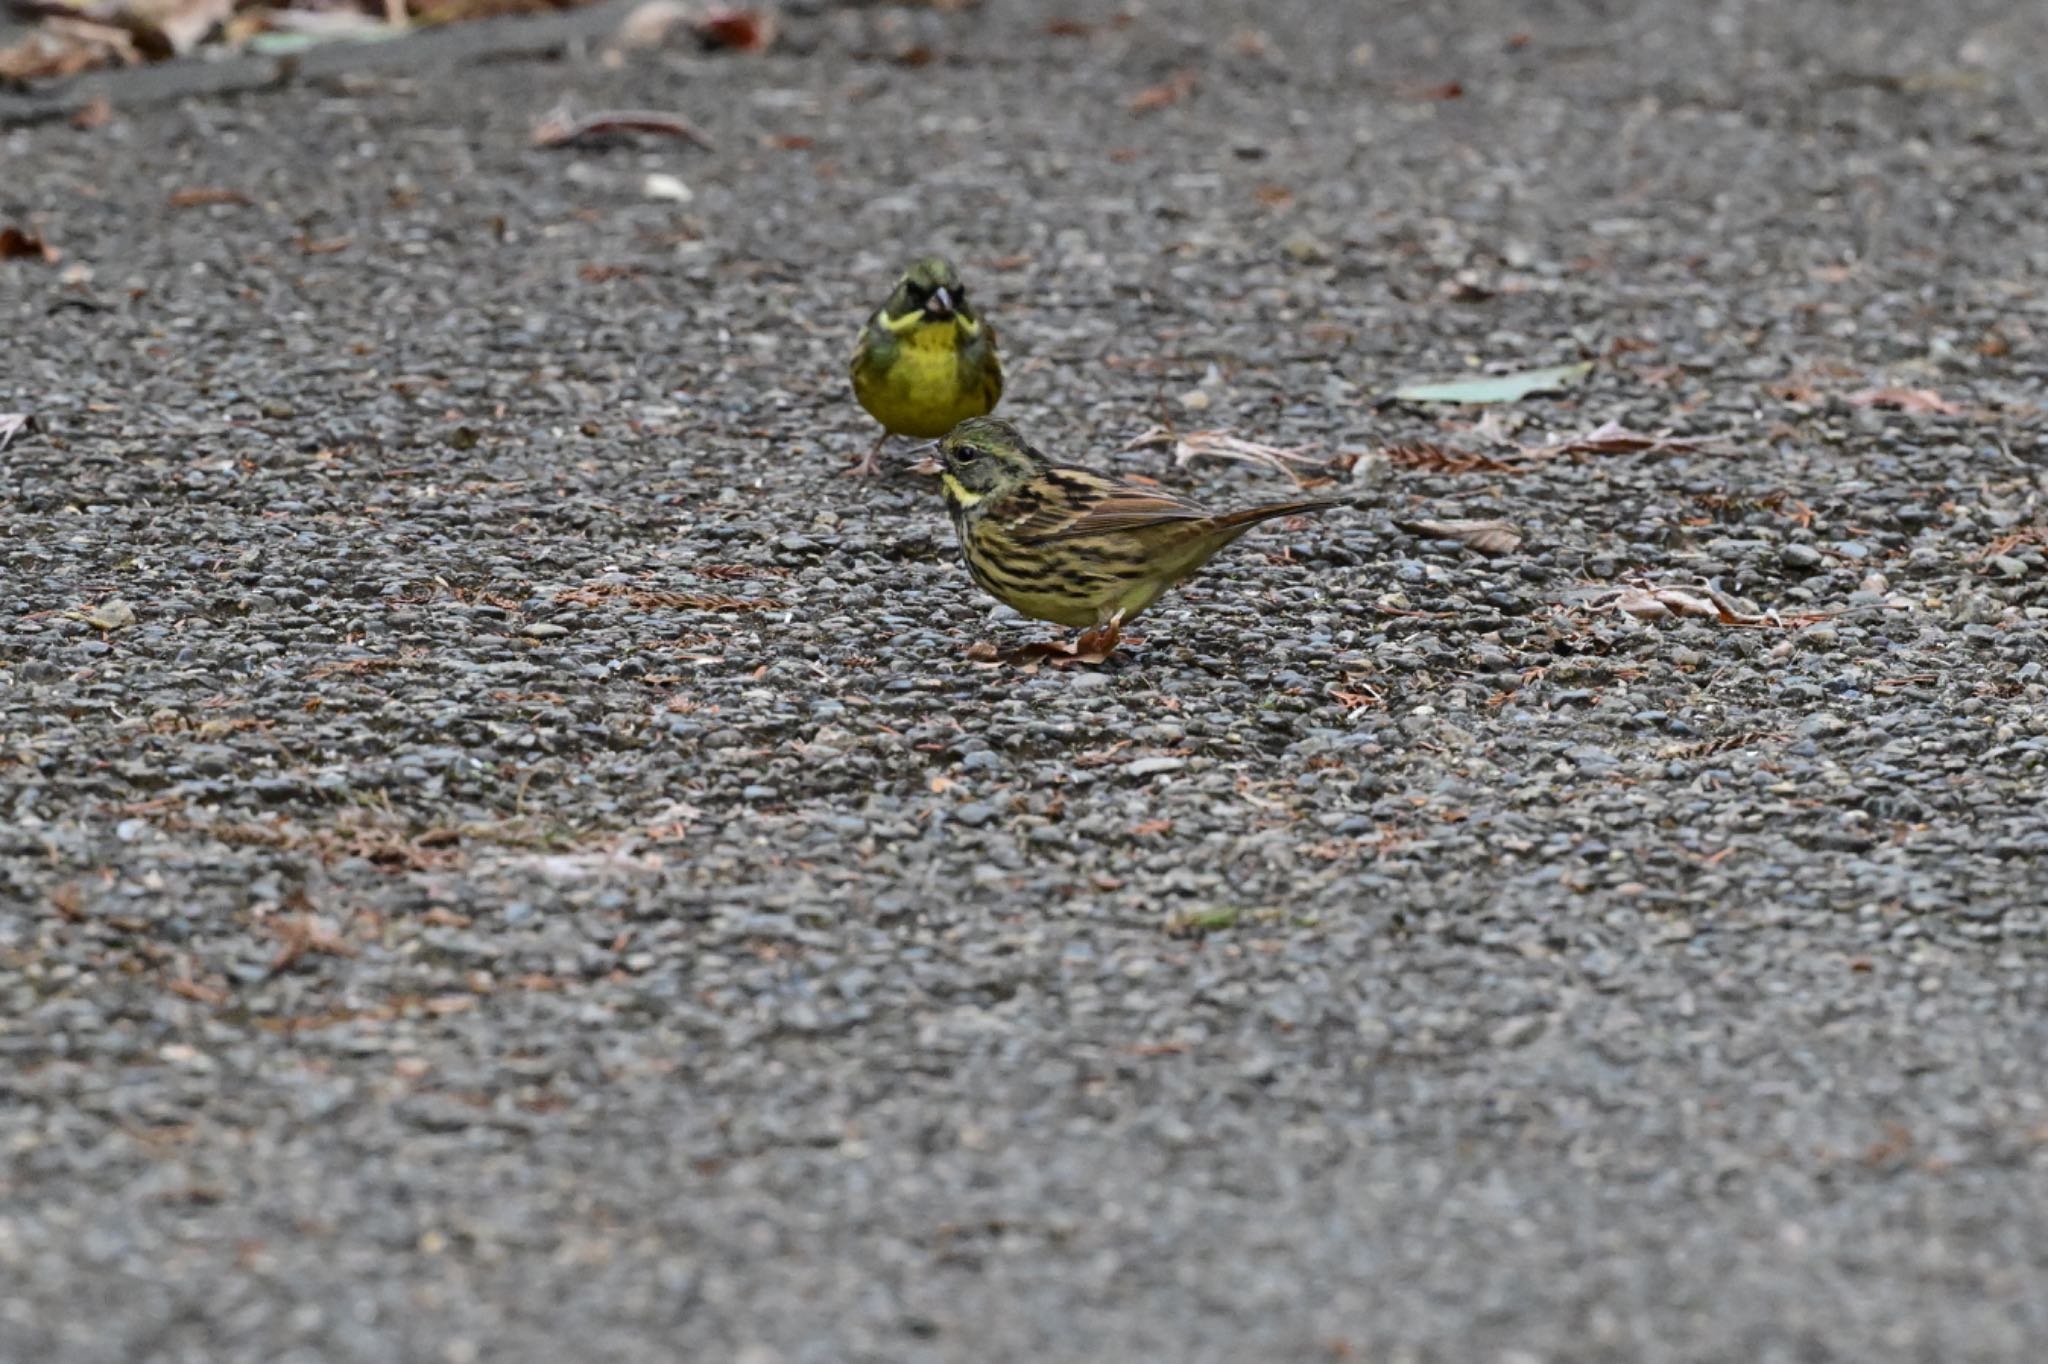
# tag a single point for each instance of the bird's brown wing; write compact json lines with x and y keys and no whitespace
{"x":1074,"y":503}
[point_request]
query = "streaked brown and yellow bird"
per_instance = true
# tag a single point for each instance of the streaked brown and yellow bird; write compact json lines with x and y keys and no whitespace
{"x":1069,"y":545}
{"x":925,"y":361}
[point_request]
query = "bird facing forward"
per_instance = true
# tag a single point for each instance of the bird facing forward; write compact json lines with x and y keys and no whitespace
{"x":1069,"y":545}
{"x":925,"y":361}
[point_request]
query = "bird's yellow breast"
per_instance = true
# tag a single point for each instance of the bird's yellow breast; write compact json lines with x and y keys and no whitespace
{"x":931,"y":384}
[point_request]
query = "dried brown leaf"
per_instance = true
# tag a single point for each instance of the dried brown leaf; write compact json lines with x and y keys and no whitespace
{"x":196,"y":198}
{"x":301,"y":934}
{"x":1923,"y":400}
{"x":13,"y":424}
{"x":1219,"y":444}
{"x":16,"y":244}
{"x":1486,"y":537}
{"x":735,"y":30}
{"x":1417,"y":90}
{"x":1437,"y":459}
{"x":170,"y":28}
{"x":62,"y":47}
{"x":1612,"y":438}
{"x":651,"y":22}
{"x":646,"y":600}
{"x":562,"y":130}
{"x":1172,"y":90}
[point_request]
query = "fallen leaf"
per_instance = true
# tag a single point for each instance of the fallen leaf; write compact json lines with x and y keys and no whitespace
{"x":650,"y":23}
{"x":13,"y":424}
{"x":327,"y":246}
{"x":562,"y":130}
{"x":1906,"y":400}
{"x":16,"y":244}
{"x":1251,"y":42}
{"x":599,"y":274}
{"x":1658,"y":603}
{"x":195,"y":198}
{"x":1424,"y":92}
{"x":1172,"y":90}
{"x":735,"y":30}
{"x":97,"y":113}
{"x":1439,"y":460}
{"x":1221,"y":444}
{"x":1487,"y":537}
{"x":1068,"y":28}
{"x":1495,"y":388}
{"x":170,"y":28}
{"x":790,"y":142}
{"x":1612,"y":438}
{"x":666,"y":188}
{"x":63,"y":47}
{"x":111,"y":614}
{"x":301,"y":934}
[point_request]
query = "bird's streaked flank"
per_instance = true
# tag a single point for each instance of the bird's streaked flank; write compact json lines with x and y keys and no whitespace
{"x":1069,"y":545}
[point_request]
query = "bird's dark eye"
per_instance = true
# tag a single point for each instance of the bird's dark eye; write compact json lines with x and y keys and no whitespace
{"x":967,"y":454}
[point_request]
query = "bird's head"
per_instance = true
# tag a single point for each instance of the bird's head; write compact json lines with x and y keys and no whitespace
{"x":930,"y":289}
{"x":984,"y":456}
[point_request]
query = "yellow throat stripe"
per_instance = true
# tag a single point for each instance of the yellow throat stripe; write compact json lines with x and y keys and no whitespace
{"x":919,"y":331}
{"x":960,"y":495}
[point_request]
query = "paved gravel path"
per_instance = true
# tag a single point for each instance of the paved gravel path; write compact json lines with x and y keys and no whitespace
{"x":537,"y":878}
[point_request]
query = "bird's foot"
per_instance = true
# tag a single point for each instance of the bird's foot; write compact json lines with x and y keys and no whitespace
{"x":868,"y":465}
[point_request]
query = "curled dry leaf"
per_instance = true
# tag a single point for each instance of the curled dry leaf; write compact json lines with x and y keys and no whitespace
{"x":735,"y":30}
{"x":170,"y":28}
{"x":1612,"y":438}
{"x":1486,"y":537}
{"x":111,"y":614}
{"x":651,"y":22}
{"x":13,"y":424}
{"x":1440,"y":460}
{"x":196,"y":198}
{"x":564,"y":130}
{"x":63,"y":47}
{"x":1906,"y":400}
{"x":1220,"y":444}
{"x":1660,"y":603}
{"x":16,"y":244}
{"x":1424,"y":92}
{"x":1172,"y":90}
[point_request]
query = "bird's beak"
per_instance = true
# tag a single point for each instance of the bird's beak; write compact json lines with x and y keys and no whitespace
{"x":940,"y":305}
{"x":930,"y":463}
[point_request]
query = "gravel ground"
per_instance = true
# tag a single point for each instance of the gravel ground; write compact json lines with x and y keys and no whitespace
{"x":537,"y":876}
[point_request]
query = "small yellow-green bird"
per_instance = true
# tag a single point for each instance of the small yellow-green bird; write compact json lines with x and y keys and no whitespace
{"x":925,"y":361}
{"x":1069,"y":545}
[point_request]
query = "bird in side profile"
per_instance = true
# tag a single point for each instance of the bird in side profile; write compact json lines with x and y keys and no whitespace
{"x":925,"y":361}
{"x":1069,"y":545}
